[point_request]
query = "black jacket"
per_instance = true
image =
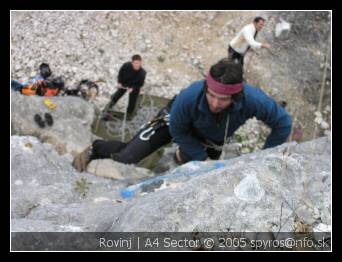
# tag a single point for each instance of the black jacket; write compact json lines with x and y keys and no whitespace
{"x":129,"y":77}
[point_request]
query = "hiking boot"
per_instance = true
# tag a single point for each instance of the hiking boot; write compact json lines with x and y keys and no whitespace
{"x":48,"y":119}
{"x":82,"y":160}
{"x":38,"y":119}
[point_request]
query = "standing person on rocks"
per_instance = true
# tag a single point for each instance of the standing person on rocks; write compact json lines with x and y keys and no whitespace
{"x":245,"y":40}
{"x":131,"y":77}
{"x":206,"y":114}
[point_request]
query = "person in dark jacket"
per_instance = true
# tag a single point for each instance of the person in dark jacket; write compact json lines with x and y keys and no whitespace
{"x":131,"y":77}
{"x":208,"y":112}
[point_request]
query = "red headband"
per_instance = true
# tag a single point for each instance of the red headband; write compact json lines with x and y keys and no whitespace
{"x":224,"y":89}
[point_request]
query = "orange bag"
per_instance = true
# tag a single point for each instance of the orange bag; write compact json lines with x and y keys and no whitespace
{"x":32,"y":89}
{"x":51,"y":91}
{"x":29,"y":90}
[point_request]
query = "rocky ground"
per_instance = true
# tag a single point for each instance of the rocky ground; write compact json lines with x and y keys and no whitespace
{"x":48,"y":194}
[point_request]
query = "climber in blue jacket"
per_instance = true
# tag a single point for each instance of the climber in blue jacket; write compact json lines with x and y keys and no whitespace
{"x":209,"y":111}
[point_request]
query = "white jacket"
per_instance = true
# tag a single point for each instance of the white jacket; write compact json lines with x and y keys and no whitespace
{"x":244,"y":39}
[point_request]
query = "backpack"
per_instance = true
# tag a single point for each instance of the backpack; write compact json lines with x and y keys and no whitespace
{"x":50,"y":91}
{"x":88,"y":89}
{"x":85,"y":89}
{"x":53,"y":86}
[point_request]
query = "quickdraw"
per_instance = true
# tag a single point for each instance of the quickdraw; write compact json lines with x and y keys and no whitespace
{"x":153,"y":126}
{"x":146,"y":134}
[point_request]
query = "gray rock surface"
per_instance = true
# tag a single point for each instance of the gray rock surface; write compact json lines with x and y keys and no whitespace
{"x":72,"y":119}
{"x":269,"y":190}
{"x":115,"y":170}
{"x":45,"y":187}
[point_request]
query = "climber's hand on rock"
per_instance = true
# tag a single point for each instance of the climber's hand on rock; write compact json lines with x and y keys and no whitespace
{"x":266,"y":45}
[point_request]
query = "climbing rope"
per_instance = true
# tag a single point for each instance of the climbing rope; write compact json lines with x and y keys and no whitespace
{"x":113,"y":125}
{"x":151,"y":103}
{"x":226,"y":139}
{"x":124,"y":119}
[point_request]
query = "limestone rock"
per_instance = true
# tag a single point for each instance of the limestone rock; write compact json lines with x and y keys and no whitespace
{"x":115,"y":170}
{"x":72,"y":119}
{"x":48,"y":194}
{"x":274,"y":187}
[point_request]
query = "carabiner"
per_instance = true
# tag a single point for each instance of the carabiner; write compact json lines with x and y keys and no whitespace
{"x":142,"y":134}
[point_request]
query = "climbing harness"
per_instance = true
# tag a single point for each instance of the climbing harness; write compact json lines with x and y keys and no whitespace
{"x":226,"y":140}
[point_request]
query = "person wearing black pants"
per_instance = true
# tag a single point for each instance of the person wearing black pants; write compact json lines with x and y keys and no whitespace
{"x":132,"y":152}
{"x":131,"y":77}
{"x":235,"y":56}
{"x":151,"y":137}
{"x":133,"y":96}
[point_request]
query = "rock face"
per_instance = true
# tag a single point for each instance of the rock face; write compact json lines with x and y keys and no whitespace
{"x":115,"y":170}
{"x":266,"y":191}
{"x":72,"y":119}
{"x":270,"y":190}
{"x":48,"y":194}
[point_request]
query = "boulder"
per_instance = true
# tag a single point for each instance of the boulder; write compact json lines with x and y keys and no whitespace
{"x":269,"y":190}
{"x":72,"y":119}
{"x":48,"y":194}
{"x":115,"y":170}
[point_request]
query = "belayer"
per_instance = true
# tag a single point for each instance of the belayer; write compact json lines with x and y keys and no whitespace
{"x":131,"y":77}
